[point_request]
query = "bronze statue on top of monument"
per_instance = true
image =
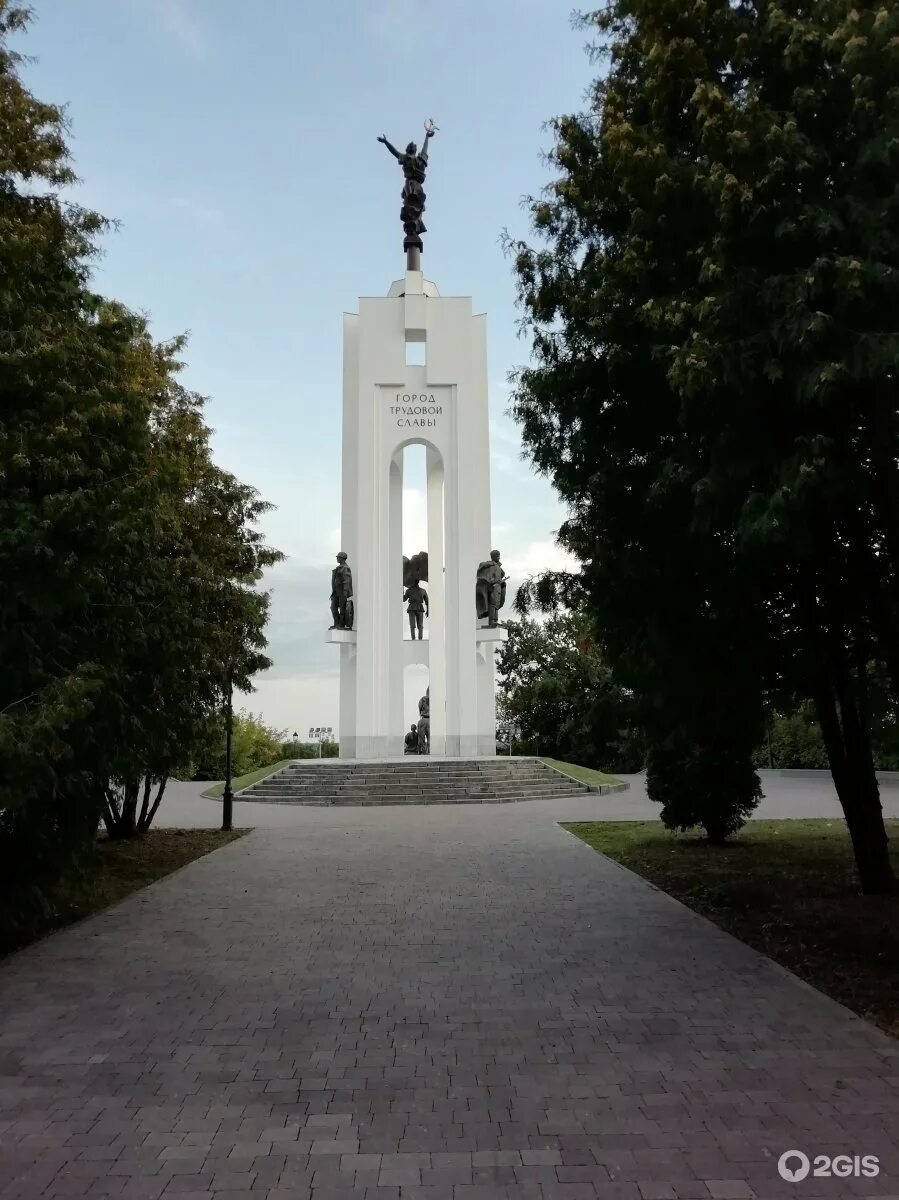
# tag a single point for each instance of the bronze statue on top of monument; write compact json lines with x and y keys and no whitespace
{"x":415,"y":164}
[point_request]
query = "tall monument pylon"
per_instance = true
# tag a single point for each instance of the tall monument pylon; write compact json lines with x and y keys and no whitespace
{"x":391,"y":402}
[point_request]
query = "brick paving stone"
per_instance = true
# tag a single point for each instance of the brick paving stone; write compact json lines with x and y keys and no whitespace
{"x":424,"y":1003}
{"x":446,"y":1176}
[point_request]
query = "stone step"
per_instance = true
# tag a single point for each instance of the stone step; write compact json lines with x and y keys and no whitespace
{"x":419,"y":781}
{"x":386,"y":801}
{"x":437,"y":776}
{"x":424,"y":783}
{"x":425,"y":797}
{"x":402,"y":785}
{"x":432,"y":766}
{"x":412,"y":781}
{"x":434,"y":772}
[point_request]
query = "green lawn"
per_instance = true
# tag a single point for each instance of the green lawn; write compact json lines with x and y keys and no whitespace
{"x":243,"y":781}
{"x":582,"y":774}
{"x":788,"y":888}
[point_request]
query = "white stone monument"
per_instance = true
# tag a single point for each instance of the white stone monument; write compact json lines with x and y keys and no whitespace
{"x":389,"y":404}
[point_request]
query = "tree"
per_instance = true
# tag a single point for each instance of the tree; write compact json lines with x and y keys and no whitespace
{"x":798,"y":160}
{"x":254,"y":745}
{"x":793,"y":742}
{"x":74,"y":441}
{"x":722,"y":256}
{"x":298,"y":749}
{"x":198,"y":619}
{"x":555,"y":687}
{"x":796,"y":739}
{"x":130,"y":558}
{"x":675,"y":613}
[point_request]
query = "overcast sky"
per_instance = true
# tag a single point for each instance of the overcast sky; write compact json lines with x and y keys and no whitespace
{"x":236,"y":145}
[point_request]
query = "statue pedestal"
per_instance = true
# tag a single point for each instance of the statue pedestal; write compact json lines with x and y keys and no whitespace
{"x":341,"y":637}
{"x":389,"y":404}
{"x":416,"y":653}
{"x":490,"y":633}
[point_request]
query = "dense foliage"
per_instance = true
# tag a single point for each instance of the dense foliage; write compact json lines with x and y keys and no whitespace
{"x":253,"y":744}
{"x":793,"y":742}
{"x":794,"y":739}
{"x":128,"y":559}
{"x":298,"y":749}
{"x":555,"y":687}
{"x":711,"y":304}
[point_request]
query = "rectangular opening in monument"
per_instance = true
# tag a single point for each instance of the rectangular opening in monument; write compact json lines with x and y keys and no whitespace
{"x":416,"y":586}
{"x":423,"y":540}
{"x":416,"y":353}
{"x":415,"y":504}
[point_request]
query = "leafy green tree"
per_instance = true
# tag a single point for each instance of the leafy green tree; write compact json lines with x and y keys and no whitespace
{"x":130,"y":558}
{"x":555,"y":687}
{"x":201,"y":618}
{"x":197,"y":617}
{"x":783,"y":358}
{"x":298,"y":749}
{"x":709,"y":317}
{"x":676,"y":616}
{"x":794,"y":742}
{"x":254,"y":745}
{"x":74,"y":452}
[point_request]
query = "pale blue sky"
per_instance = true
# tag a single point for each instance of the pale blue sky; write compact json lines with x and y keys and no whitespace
{"x":236,"y":144}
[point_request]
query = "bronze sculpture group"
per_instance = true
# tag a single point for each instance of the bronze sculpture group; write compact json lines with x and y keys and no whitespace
{"x":418,"y":739}
{"x":490,"y":596}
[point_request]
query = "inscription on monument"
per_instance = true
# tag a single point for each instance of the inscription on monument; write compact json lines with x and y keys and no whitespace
{"x":415,"y":409}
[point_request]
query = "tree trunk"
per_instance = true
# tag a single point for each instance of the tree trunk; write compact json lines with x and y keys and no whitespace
{"x":852,"y":768}
{"x":715,"y":833}
{"x":110,"y":812}
{"x":147,"y":817}
{"x":841,"y":704}
{"x":142,"y":822}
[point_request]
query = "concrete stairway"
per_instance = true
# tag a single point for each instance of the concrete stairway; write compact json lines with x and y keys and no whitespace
{"x":414,"y":781}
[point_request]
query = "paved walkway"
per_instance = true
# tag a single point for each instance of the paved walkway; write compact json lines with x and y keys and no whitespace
{"x":419,"y":1004}
{"x":787,"y":794}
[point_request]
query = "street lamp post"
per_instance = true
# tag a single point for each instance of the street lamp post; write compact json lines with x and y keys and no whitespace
{"x":228,"y":795}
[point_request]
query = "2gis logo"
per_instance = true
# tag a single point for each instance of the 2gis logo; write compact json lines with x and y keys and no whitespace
{"x":795,"y":1165}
